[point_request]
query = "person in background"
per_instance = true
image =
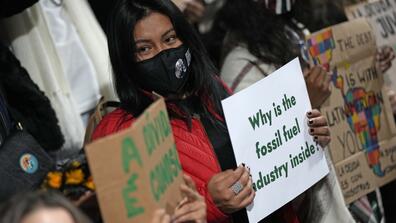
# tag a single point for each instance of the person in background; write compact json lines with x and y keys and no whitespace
{"x":253,"y":53}
{"x":256,"y":44}
{"x":376,"y":206}
{"x":326,"y":13}
{"x":211,"y":32}
{"x":40,"y":207}
{"x":29,"y":127}
{"x":26,"y":102}
{"x":153,"y":48}
{"x":259,"y":42}
{"x":194,"y":10}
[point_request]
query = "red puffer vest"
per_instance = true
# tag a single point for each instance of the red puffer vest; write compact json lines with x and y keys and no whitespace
{"x":196,"y":153}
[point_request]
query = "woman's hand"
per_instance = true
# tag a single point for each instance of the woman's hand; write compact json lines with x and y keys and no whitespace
{"x":318,"y":85}
{"x":318,"y":127}
{"x":193,"y":208}
{"x":225,"y":198}
{"x":160,"y":216}
{"x":384,"y":58}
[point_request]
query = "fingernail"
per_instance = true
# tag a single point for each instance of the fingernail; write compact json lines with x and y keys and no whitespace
{"x":310,"y":122}
{"x":315,"y":138}
{"x":311,"y":130}
{"x":243,"y":164}
{"x":309,"y":113}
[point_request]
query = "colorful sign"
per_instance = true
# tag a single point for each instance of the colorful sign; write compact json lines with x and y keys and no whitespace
{"x":381,"y":14}
{"x":358,"y":110}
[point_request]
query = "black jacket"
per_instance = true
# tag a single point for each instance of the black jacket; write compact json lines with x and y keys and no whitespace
{"x":12,"y":7}
{"x":27,"y":104}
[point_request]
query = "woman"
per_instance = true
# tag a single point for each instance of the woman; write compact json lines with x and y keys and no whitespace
{"x":266,"y":38}
{"x":41,"y":207}
{"x":328,"y":13}
{"x":153,"y":48}
{"x":259,"y":42}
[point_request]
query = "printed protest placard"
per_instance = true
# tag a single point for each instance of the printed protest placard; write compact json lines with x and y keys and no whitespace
{"x":358,"y":111}
{"x":137,"y":170}
{"x":268,"y":129}
{"x":382,"y":17}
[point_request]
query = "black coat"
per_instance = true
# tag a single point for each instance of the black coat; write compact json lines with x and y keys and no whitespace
{"x":12,"y":7}
{"x":27,"y":103}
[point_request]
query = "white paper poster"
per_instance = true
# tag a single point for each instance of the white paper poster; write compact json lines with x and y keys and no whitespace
{"x":268,"y":127}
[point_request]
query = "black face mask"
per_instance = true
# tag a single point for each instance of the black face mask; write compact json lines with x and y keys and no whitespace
{"x":167,"y":72}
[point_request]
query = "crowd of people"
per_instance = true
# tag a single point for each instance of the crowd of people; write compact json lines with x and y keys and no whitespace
{"x":55,"y":64}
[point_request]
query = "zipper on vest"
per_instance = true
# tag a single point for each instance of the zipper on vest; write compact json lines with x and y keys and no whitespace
{"x":198,"y":118}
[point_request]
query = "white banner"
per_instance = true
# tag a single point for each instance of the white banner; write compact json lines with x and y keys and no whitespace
{"x":267,"y":123}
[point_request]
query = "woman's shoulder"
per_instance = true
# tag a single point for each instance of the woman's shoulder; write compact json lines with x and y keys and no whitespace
{"x":242,"y":69}
{"x":239,"y":53}
{"x":238,"y":57}
{"x":234,"y":61}
{"x":113,"y":122}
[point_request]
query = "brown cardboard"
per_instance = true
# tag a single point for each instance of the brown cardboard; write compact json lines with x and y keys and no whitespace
{"x":381,"y":15}
{"x":355,"y":177}
{"x":348,"y":52}
{"x":123,"y":178}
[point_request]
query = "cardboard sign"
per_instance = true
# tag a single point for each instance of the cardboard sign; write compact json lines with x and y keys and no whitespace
{"x":267,"y":123}
{"x":358,"y":110}
{"x":382,"y":17}
{"x":137,"y":170}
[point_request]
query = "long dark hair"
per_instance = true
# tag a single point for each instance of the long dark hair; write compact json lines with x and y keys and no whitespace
{"x":261,"y":30}
{"x":22,"y":205}
{"x":202,"y":81}
{"x":317,"y":15}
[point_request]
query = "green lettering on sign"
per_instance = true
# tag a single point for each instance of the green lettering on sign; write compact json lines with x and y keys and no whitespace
{"x":156,"y":131}
{"x":130,"y":201}
{"x":165,"y":123}
{"x":129,"y":153}
{"x":164,"y":173}
{"x":154,"y":184}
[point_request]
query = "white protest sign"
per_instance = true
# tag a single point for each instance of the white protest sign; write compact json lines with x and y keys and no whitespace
{"x":268,"y":127}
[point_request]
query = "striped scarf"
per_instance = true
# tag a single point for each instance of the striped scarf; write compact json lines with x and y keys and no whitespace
{"x":278,"y":6}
